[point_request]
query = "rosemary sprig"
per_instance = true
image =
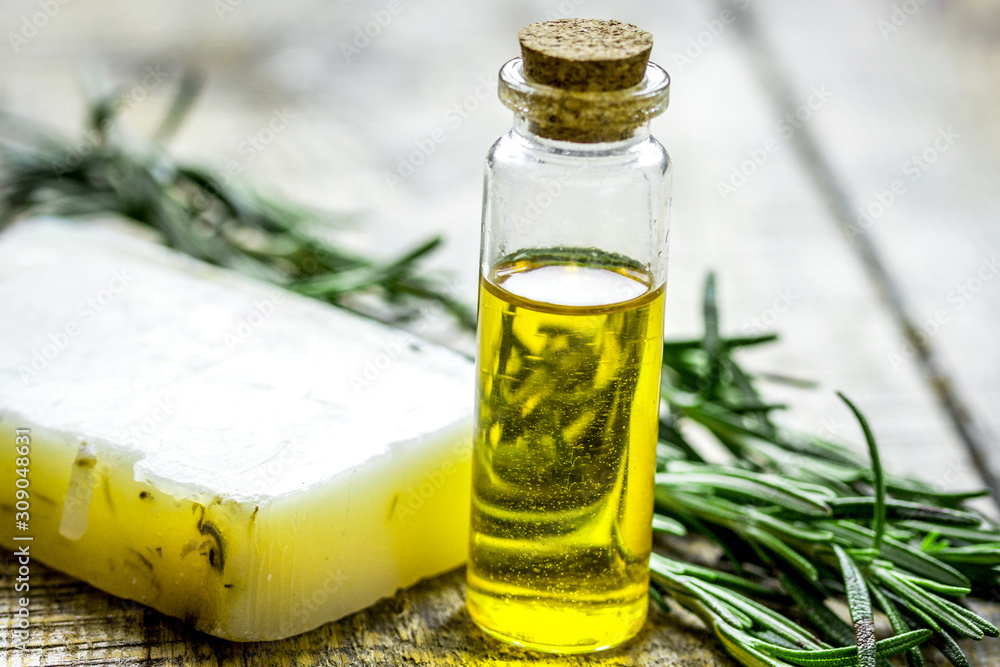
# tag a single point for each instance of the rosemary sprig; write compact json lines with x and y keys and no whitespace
{"x":203,"y":215}
{"x":819,"y":520}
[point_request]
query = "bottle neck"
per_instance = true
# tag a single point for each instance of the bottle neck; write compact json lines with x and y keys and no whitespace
{"x":526,"y":131}
{"x":573,"y":118}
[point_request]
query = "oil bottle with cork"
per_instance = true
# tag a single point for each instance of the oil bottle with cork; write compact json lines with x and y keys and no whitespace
{"x":573,"y":271}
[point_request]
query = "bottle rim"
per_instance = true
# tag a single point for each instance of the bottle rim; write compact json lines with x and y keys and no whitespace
{"x":583,"y":116}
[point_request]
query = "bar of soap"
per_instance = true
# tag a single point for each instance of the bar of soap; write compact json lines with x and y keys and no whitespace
{"x":248,"y":460}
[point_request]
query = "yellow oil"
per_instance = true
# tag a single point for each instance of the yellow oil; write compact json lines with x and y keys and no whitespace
{"x":564,"y":452}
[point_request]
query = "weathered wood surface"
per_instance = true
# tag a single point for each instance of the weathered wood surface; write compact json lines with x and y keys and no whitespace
{"x":779,"y":241}
{"x":425,"y":625}
{"x":74,"y":624}
{"x":907,"y":157}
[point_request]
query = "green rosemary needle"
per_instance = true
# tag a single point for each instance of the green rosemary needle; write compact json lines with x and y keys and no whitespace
{"x":816,"y":519}
{"x":201,"y":214}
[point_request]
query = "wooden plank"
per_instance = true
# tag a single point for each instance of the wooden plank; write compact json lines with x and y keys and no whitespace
{"x":425,"y":625}
{"x":907,"y":157}
{"x":74,"y":624}
{"x":782,"y":261}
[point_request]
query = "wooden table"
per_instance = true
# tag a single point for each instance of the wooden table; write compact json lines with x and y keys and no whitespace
{"x":835,"y":163}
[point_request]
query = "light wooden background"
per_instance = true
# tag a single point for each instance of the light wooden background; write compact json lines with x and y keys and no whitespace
{"x":899,"y":307}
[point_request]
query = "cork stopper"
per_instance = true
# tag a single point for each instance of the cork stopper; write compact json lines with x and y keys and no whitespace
{"x":585,"y":54}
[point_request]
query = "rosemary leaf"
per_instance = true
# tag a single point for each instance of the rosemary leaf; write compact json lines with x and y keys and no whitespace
{"x":983,"y":534}
{"x":860,"y":604}
{"x":671,"y":346}
{"x":880,"y":513}
{"x":913,"y":655}
{"x":847,"y":528}
{"x":197,"y":213}
{"x":903,"y":554}
{"x":742,"y":485}
{"x":864,"y":507}
{"x":785,"y":552}
{"x":934,"y":606}
{"x":808,"y":600}
{"x":848,"y":656}
{"x":665,"y":524}
{"x":712,"y":345}
{"x":944,"y":643}
{"x":978,"y":554}
{"x":742,"y":647}
{"x":771,"y":620}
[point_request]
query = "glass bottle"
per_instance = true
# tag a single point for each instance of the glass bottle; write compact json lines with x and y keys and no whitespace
{"x":573,"y":270}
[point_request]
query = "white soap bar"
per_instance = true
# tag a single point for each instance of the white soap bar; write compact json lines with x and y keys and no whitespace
{"x":249,"y":460}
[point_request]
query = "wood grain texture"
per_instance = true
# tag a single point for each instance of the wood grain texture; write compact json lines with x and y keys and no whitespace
{"x":782,"y":260}
{"x":907,"y":156}
{"x":74,"y":624}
